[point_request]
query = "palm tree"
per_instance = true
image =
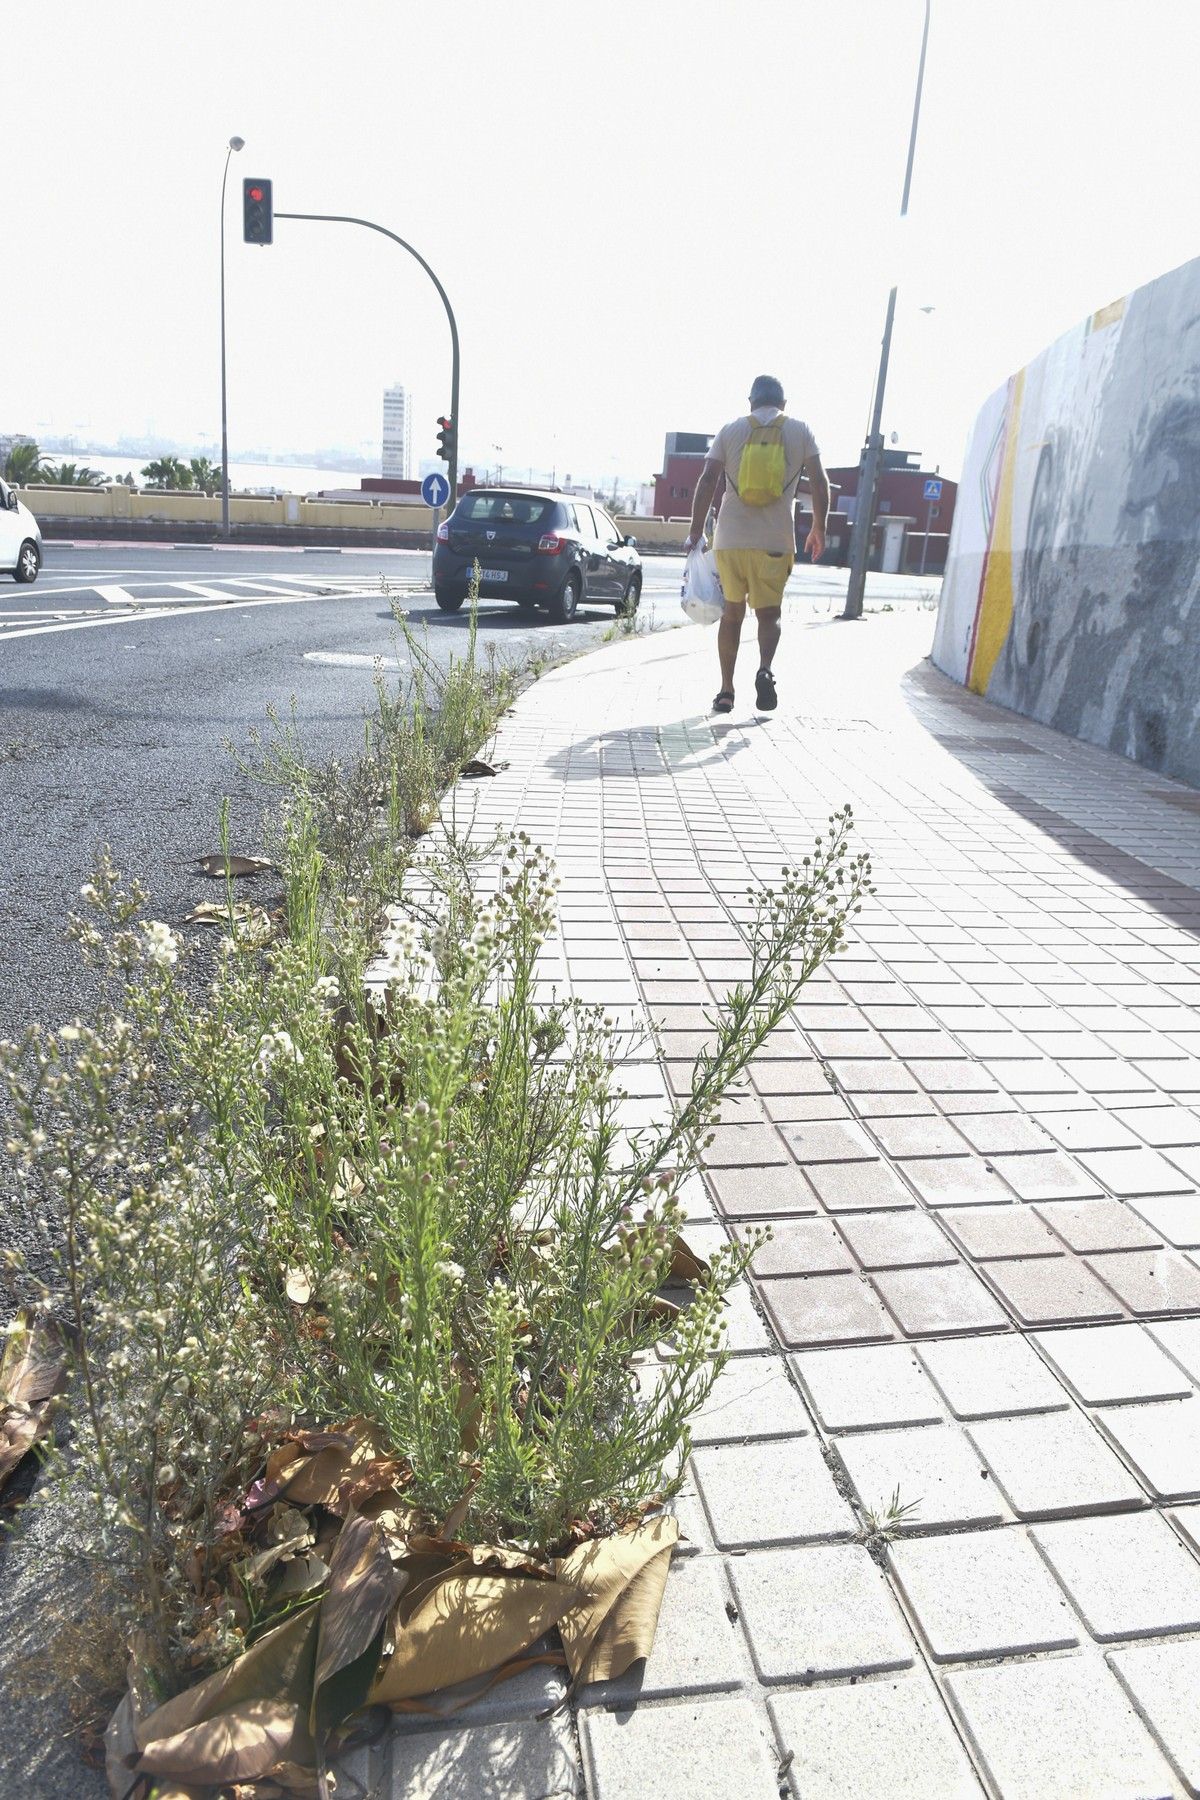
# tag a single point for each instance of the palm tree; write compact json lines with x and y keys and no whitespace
{"x":21,"y":463}
{"x":168,"y":472}
{"x":68,"y":475}
{"x":204,"y":475}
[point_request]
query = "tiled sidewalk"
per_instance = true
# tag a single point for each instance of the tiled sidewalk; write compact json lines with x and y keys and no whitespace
{"x":979,"y":1149}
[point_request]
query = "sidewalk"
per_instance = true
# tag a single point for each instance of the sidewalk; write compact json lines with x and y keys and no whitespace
{"x":982,"y":1294}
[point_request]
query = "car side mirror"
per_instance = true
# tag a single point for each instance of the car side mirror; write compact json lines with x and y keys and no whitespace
{"x":13,"y":502}
{"x":630,"y":543}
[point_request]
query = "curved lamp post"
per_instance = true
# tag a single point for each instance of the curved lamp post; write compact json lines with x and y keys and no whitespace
{"x":235,"y":143}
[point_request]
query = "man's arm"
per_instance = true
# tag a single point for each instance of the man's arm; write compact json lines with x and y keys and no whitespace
{"x":818,"y":481}
{"x":706,"y":489}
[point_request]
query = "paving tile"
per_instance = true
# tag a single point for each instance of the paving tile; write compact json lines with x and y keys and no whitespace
{"x":762,"y":1193}
{"x":697,"y":1646}
{"x":1162,"y":1441}
{"x":1162,"y":1126}
{"x":932,"y":1467}
{"x":1175,"y":1217}
{"x":775,"y":1493}
{"x":1150,"y":1281}
{"x":1045,"y":1177}
{"x":744,"y":1146}
{"x":1162,"y":1680}
{"x":752,"y":1398}
{"x":821,"y":1610}
{"x":955,"y":1076}
{"x":1180,"y":1338}
{"x":803,"y":1247}
{"x":1058,"y":1730}
{"x":825,"y":1309}
{"x":925,"y":1136}
{"x":1050,"y":1290}
{"x":930,"y":1302}
{"x":790,"y":1075}
{"x":682,"y":1751}
{"x":1129,"y":1172}
{"x":886,"y":1739}
{"x":988,"y":1377}
{"x":507,"y":1762}
{"x":993,"y":1134}
{"x":891,"y":1240}
{"x":1014,"y":1230}
{"x":1054,"y":1464}
{"x":957,"y":1181}
{"x":1108,"y":1364}
{"x":1186,"y":1157}
{"x":1098,"y":1225}
{"x":858,"y":1187}
{"x":831,"y":1142}
{"x":1127,"y":1575}
{"x":873,"y":1077}
{"x":982,"y":1593}
{"x":1092,"y":1129}
{"x":867,"y":1388}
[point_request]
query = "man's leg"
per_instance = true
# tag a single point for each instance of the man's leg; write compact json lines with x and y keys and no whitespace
{"x":729,"y":636}
{"x":767,"y":618}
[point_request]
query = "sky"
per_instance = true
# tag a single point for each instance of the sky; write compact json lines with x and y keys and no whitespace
{"x":634,"y":208}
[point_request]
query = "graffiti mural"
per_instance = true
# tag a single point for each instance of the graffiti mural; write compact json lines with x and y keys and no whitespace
{"x":1072,"y":588}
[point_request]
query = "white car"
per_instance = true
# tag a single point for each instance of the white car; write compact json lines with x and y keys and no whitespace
{"x":20,"y":538}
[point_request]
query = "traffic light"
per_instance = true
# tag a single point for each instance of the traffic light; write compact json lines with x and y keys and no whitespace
{"x":445,"y":438}
{"x":257,"y":212}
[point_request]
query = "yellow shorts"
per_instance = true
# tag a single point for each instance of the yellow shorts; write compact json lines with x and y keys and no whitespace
{"x":759,"y":576}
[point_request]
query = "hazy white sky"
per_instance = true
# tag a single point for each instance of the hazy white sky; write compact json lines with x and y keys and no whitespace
{"x":635,"y":207}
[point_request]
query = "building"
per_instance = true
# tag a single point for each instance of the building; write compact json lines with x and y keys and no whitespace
{"x":397,"y":433}
{"x":683,"y":459}
{"x":922,"y":498}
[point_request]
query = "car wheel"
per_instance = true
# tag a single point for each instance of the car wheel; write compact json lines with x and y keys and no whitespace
{"x":627,"y":605}
{"x":562,"y":607}
{"x":28,"y":562}
{"x":448,"y":599}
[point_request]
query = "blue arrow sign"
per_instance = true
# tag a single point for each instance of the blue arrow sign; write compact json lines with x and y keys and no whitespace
{"x":933,"y":490}
{"x":435,"y":489}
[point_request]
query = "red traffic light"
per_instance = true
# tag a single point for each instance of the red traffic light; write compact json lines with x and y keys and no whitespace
{"x":255,"y":193}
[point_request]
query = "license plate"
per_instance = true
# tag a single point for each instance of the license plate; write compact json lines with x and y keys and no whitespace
{"x":493,"y":574}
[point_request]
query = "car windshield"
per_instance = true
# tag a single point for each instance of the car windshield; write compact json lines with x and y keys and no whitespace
{"x":508,"y":509}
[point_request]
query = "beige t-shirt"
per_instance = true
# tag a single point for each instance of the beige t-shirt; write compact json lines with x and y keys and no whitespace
{"x":771,"y":527}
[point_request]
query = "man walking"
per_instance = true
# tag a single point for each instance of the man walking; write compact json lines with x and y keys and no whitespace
{"x":762,"y":458}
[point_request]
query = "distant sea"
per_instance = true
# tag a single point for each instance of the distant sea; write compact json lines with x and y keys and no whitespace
{"x":286,"y":478}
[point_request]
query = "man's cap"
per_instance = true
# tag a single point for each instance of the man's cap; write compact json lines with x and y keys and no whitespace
{"x":766,"y":390}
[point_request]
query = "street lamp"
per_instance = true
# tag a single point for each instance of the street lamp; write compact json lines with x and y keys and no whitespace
{"x":235,"y":143}
{"x":499,"y":466}
{"x":864,"y":505}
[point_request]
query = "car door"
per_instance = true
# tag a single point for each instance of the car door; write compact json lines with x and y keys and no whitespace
{"x":11,"y":529}
{"x":594,"y":558}
{"x":600,"y":577}
{"x":615,"y":555}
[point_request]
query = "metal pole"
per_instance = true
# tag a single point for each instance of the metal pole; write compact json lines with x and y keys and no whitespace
{"x":224,"y":411}
{"x":864,"y":506}
{"x":370,"y":225}
{"x":925,"y":539}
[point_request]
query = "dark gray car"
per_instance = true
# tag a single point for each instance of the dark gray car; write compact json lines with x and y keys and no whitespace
{"x":541,"y":549}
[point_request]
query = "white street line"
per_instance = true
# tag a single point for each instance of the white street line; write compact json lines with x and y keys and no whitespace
{"x":348,"y":659}
{"x":147,"y":611}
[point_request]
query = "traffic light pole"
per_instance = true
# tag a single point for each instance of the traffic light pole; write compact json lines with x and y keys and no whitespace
{"x":868,"y":481}
{"x":370,"y":225}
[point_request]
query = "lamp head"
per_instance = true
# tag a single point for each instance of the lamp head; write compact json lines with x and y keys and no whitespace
{"x":237,"y":143}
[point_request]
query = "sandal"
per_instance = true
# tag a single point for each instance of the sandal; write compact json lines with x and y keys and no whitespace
{"x":764,"y":691}
{"x":724,"y":701}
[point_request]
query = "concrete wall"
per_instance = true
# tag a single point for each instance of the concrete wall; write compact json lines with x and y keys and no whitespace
{"x":1072,"y":587}
{"x":122,"y":503}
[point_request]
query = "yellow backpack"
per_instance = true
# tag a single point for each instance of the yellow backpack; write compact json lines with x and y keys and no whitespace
{"x":762,"y":470}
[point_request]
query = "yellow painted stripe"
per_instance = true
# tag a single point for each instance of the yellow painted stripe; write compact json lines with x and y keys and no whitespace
{"x":996,"y":592}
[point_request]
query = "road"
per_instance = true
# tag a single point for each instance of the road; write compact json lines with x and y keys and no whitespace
{"x":124,"y":668}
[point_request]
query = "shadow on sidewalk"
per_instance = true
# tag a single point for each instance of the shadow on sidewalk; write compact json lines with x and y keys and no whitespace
{"x":649,"y":752}
{"x":977,"y":742}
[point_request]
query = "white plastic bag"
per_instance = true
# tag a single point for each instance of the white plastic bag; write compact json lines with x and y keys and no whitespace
{"x":701,"y":596}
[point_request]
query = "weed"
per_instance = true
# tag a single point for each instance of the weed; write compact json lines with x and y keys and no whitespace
{"x":884,"y":1522}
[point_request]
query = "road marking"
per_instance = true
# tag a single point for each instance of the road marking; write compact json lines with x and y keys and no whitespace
{"x":147,"y":611}
{"x":348,"y":659}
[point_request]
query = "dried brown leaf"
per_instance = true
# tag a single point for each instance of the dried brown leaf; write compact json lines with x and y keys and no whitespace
{"x":623,"y":1578}
{"x":686,"y":1265}
{"x":298,"y":1286}
{"x":363,"y":1587}
{"x":216,"y":865}
{"x":33,"y":1373}
{"x":465,"y":1624}
{"x":278,"y":1668}
{"x":244,"y":1743}
{"x":476,"y":767}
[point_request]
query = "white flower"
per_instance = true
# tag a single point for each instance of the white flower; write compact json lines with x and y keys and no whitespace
{"x":162,"y":946}
{"x":90,"y":893}
{"x":325,"y":989}
{"x":450,"y":1271}
{"x":69,"y":1033}
{"x":276,"y":1046}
